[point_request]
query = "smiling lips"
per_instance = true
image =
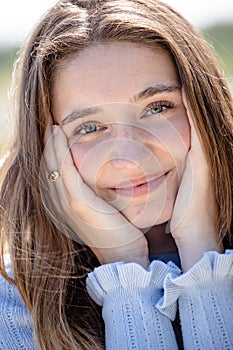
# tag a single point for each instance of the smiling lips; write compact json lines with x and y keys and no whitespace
{"x":138,"y":187}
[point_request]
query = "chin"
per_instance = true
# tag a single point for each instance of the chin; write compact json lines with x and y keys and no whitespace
{"x":149,"y":215}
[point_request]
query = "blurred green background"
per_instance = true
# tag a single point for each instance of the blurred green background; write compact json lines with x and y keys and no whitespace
{"x":219,"y":36}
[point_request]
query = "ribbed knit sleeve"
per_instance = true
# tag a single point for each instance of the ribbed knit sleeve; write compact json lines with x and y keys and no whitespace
{"x":204,"y":296}
{"x":128,"y":294}
{"x":16,"y":331}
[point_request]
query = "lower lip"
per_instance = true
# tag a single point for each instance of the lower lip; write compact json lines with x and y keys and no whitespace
{"x":141,"y":189}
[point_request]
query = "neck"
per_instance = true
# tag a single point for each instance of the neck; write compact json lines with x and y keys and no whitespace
{"x":159,"y":241}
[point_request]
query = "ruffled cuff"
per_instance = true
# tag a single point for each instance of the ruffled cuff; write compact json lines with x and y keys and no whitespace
{"x":106,"y":279}
{"x":210,"y":270}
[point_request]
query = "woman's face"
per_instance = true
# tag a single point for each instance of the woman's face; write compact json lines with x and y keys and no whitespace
{"x":120,"y":105}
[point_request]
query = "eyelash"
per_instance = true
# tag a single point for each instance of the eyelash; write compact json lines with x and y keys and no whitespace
{"x":79,"y":130}
{"x":163,"y":105}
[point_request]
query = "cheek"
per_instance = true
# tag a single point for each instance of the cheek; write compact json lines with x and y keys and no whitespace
{"x":89,"y":159}
{"x":78,"y":154}
{"x":177,"y":135}
{"x":86,"y":167}
{"x":183,"y":128}
{"x":174,"y":135}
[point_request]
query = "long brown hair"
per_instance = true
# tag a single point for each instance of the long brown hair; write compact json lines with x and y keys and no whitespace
{"x":49,"y":268}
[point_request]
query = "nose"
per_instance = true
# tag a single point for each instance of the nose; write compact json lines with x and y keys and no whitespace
{"x":128,"y":147}
{"x":124,"y":130}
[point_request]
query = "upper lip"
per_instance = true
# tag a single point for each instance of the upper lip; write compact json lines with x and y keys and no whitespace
{"x":138,"y":181}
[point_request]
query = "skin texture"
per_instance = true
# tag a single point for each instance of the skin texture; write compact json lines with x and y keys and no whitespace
{"x":129,"y":165}
{"x":127,"y":147}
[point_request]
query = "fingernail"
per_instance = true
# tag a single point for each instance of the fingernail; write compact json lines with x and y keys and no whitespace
{"x":55,"y":129}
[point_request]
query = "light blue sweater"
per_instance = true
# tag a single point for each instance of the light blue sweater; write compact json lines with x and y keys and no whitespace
{"x":16,"y":331}
{"x":138,"y":306}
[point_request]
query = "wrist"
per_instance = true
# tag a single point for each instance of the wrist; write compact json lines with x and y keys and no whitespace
{"x":137,"y":254}
{"x":142,"y":260}
{"x":192,"y":250}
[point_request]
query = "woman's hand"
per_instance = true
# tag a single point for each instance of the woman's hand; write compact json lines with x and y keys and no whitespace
{"x":193,"y":223}
{"x":94,"y":222}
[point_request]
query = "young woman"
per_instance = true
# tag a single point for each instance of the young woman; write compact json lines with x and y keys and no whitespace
{"x":122,"y":155}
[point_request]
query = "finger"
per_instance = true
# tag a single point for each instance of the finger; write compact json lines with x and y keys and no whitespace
{"x":196,"y":143}
{"x":48,"y":159}
{"x":49,"y":154}
{"x":48,"y":164}
{"x":48,"y":130}
{"x":197,"y":155}
{"x":63,"y":156}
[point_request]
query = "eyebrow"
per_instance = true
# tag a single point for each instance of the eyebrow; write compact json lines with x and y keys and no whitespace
{"x":146,"y":93}
{"x":154,"y":90}
{"x":80,"y":114}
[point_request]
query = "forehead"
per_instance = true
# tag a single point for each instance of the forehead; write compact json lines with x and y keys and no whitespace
{"x":112,"y":72}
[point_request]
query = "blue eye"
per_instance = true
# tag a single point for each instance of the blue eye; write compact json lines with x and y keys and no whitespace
{"x":157,"y":108}
{"x":87,"y":128}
